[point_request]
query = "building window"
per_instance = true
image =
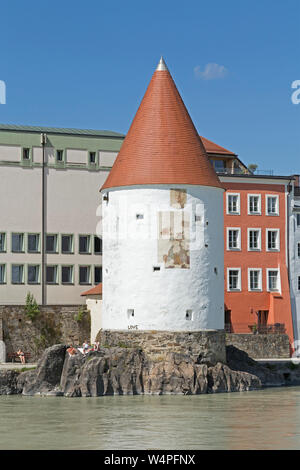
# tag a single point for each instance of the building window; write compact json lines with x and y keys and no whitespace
{"x":234,"y":279}
{"x":67,"y":244}
{"x":254,"y":239}
{"x":97,"y":274}
{"x":272,"y":205}
{"x":298,"y":220}
{"x":298,"y":281}
{"x":84,"y":244}
{"x":272,"y":238}
{"x":51,"y":274}
{"x":189,"y":315}
{"x":219,"y":165}
{"x":273,"y":280}
{"x":97,"y":245}
{"x":33,"y":272}
{"x":233,"y":238}
{"x":2,"y":242}
{"x":33,"y":243}
{"x":254,"y":204}
{"x":67,"y":274}
{"x":254,"y":279}
{"x":2,"y":273}
{"x":17,"y":242}
{"x":26,"y":154}
{"x":233,"y":204}
{"x":92,"y":158}
{"x":59,"y":156}
{"x":84,"y":275}
{"x":17,"y":274}
{"x":298,"y":250}
{"x":51,"y":243}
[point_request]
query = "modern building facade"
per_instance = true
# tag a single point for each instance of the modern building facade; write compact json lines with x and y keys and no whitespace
{"x":50,"y":215}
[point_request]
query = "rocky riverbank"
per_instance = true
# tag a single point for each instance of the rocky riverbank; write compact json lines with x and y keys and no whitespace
{"x":129,"y":371}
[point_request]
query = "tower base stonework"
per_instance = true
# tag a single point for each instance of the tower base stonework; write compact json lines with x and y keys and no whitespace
{"x":204,"y":346}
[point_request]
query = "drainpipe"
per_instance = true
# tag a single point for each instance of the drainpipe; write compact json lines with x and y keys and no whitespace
{"x":43,"y":142}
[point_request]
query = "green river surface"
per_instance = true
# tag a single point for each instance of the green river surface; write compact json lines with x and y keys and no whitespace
{"x":266,"y":419}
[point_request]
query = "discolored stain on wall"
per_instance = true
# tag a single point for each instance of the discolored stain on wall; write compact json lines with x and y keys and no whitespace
{"x":178,"y":198}
{"x":173,"y":239}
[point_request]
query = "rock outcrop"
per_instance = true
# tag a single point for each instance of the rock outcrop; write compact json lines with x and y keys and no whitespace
{"x":129,"y":371}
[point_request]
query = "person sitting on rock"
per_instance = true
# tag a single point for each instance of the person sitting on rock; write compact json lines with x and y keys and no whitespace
{"x":85,"y":347}
{"x":96,"y":346}
{"x":21,"y":355}
{"x":71,"y":350}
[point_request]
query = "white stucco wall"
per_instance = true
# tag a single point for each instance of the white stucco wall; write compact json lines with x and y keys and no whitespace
{"x":94,"y":305}
{"x":294,"y":268}
{"x":160,"y":299}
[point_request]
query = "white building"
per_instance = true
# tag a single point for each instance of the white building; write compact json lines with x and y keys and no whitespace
{"x":49,"y":191}
{"x":294,"y":259}
{"x":163,"y":253}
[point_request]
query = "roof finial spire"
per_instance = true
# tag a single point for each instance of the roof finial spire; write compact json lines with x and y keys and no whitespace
{"x":161,"y":65}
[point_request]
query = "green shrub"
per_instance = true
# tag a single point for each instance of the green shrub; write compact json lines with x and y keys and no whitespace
{"x":31,"y":307}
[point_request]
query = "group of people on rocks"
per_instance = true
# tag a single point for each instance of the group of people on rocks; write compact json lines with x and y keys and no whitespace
{"x":86,"y":348}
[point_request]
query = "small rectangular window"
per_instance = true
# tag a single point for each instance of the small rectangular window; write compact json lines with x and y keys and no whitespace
{"x":233,"y":239}
{"x":92,"y":158}
{"x":272,"y":205}
{"x":26,"y":154}
{"x":254,"y":204}
{"x":298,"y":220}
{"x":233,"y":204}
{"x":33,"y":274}
{"x":84,"y":275}
{"x":67,"y":244}
{"x":299,"y":283}
{"x":17,"y":242}
{"x":33,"y":242}
{"x":298,"y":250}
{"x":98,"y":274}
{"x":254,"y":239}
{"x":273,"y":280}
{"x":254,"y":279}
{"x":59,"y":155}
{"x":51,"y":243}
{"x":97,"y":245}
{"x":84,"y":244}
{"x":2,"y":242}
{"x":234,"y":279}
{"x":51,"y":274}
{"x":2,"y":273}
{"x":67,"y":274}
{"x":130,"y":313}
{"x":17,"y":274}
{"x":189,"y":315}
{"x":139,"y":216}
{"x":272,"y":240}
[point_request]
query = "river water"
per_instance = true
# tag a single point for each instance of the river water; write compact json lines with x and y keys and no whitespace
{"x":266,"y":419}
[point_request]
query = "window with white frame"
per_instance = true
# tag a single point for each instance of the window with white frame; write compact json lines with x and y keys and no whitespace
{"x":2,"y":273}
{"x":84,"y":275}
{"x":67,"y":274}
{"x":33,"y":242}
{"x":233,"y":238}
{"x":33,"y":272}
{"x":17,"y":242}
{"x":254,"y":239}
{"x":234,"y":279}
{"x":67,"y":244}
{"x":17,"y":274}
{"x":273,"y":281}
{"x":97,"y":274}
{"x":51,"y":274}
{"x":2,"y":242}
{"x":233,"y":203}
{"x":272,"y":239}
{"x":299,"y":283}
{"x":272,"y":205}
{"x":51,"y":243}
{"x":84,"y":244}
{"x":255,"y":279}
{"x":298,"y":220}
{"x":298,"y":245}
{"x":254,"y":204}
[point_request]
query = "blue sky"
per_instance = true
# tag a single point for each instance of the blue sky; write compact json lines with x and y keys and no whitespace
{"x":87,"y":65}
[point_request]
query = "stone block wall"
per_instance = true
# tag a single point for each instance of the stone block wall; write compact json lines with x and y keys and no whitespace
{"x":261,"y":346}
{"x":204,"y":346}
{"x":54,"y":324}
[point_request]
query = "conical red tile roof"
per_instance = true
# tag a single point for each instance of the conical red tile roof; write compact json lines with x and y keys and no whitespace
{"x":162,"y":145}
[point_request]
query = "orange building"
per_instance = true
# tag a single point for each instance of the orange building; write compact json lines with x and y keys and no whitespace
{"x":256,"y":283}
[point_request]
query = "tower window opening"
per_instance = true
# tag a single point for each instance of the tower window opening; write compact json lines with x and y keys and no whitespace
{"x":130,"y":313}
{"x":156,"y":268}
{"x":189,"y":315}
{"x":139,"y":216}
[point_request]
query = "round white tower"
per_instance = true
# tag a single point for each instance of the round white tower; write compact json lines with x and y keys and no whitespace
{"x":162,"y":223}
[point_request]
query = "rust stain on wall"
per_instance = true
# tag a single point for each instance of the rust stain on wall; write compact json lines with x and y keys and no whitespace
{"x":178,"y":198}
{"x":173,"y":239}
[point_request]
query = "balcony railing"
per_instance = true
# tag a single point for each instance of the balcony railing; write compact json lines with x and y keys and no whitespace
{"x":276,"y":328}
